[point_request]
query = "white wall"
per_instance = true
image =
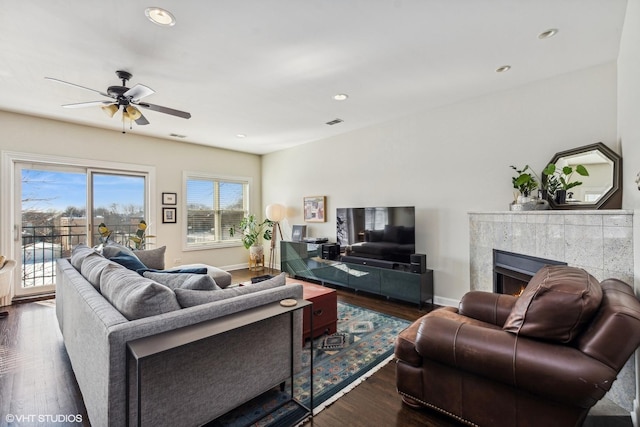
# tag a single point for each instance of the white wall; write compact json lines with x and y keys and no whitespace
{"x":446,"y":162}
{"x":28,"y":134}
{"x":629,"y":104}
{"x":629,"y":137}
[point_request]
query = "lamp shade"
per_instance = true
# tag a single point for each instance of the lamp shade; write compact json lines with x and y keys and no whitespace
{"x":110,"y":109}
{"x":275,"y":212}
{"x":133,"y":113}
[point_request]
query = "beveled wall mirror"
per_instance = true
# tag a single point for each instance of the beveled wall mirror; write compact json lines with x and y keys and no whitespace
{"x":602,"y":189}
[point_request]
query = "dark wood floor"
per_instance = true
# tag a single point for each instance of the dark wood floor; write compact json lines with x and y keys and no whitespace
{"x":36,"y":377}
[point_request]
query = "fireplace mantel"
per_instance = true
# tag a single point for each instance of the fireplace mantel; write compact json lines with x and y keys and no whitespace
{"x":600,"y":241}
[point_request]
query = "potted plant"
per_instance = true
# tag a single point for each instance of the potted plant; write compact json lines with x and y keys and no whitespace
{"x":252,"y":232}
{"x":524,"y":182}
{"x":559,"y":180}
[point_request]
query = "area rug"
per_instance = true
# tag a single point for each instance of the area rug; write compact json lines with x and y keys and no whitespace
{"x":362,"y":344}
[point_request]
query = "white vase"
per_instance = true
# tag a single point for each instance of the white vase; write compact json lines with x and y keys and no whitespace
{"x":256,"y":252}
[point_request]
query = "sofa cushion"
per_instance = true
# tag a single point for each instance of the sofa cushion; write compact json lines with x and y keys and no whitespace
{"x":190,"y":298}
{"x":201,"y":282}
{"x":152,"y":258}
{"x":92,"y":267}
{"x":111,"y":249}
{"x":556,"y":305}
{"x":128,"y":261}
{"x":79,"y":253}
{"x":190,"y":270}
{"x":135,"y":296}
{"x":221,"y":277}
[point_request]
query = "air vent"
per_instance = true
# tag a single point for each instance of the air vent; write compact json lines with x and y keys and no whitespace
{"x":177,"y":135}
{"x":335,"y":122}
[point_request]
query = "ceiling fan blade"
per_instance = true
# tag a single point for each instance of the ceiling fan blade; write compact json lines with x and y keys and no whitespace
{"x":75,"y":85}
{"x":87,"y":104}
{"x":165,"y":110}
{"x":142,"y":120}
{"x":138,"y":92}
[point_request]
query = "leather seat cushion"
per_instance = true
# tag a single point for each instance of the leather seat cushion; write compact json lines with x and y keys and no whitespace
{"x":556,"y":305}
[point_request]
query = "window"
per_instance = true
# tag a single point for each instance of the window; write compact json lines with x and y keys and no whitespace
{"x":54,"y":203}
{"x":214,"y":205}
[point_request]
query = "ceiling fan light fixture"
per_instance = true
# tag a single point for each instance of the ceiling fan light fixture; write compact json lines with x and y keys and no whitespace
{"x":160,"y":16}
{"x":133,"y":113}
{"x":110,"y":109}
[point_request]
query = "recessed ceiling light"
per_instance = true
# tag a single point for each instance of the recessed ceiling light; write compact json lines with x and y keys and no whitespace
{"x":548,"y":34}
{"x":160,"y":16}
{"x":503,"y":69}
{"x":334,"y":122}
{"x":241,"y":135}
{"x":340,"y":97}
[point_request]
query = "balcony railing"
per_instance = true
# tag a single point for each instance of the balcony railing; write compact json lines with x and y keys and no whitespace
{"x":42,"y":245}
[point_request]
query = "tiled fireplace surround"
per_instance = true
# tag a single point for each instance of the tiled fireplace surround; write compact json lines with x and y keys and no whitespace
{"x":601,"y":242}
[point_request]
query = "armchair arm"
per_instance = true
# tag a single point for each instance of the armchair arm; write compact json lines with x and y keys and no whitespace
{"x":560,"y":372}
{"x":487,"y":306}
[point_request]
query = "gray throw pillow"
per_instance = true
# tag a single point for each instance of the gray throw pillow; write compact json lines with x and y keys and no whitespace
{"x":92,"y":267}
{"x":152,"y":258}
{"x":111,"y":249}
{"x":200,"y":282}
{"x":135,"y":296}
{"x":190,"y":298}
{"x":79,"y":253}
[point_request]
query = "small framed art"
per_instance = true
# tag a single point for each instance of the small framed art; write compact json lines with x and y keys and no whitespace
{"x":169,"y":198}
{"x":314,"y":208}
{"x":168,"y":215}
{"x":298,"y":233}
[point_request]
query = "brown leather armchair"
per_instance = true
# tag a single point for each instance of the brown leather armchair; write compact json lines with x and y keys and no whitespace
{"x":543,"y":358}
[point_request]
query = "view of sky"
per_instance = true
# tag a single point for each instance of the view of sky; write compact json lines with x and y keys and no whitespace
{"x":56,"y":190}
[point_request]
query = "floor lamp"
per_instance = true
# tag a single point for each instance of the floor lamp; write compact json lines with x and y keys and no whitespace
{"x":275,"y":213}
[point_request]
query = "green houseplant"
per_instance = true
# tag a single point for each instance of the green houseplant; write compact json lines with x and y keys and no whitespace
{"x":252,"y":231}
{"x":524,"y":182}
{"x":558,"y":181}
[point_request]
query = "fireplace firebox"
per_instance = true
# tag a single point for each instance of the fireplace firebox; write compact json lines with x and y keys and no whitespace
{"x":512,"y":271}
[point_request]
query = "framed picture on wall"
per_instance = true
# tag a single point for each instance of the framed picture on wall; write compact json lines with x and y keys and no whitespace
{"x":169,"y":199}
{"x":168,"y":215}
{"x":299,"y":232}
{"x":314,"y":208}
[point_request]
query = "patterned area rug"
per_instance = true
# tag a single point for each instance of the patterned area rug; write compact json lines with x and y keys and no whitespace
{"x":363,"y":344}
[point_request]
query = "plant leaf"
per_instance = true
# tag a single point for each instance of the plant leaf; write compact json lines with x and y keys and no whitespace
{"x":582,"y":170}
{"x":567,"y":170}
{"x":550,"y":169}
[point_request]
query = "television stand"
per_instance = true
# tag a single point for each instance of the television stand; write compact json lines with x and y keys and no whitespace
{"x":386,"y":278}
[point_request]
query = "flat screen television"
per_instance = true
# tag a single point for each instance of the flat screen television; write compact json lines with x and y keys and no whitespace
{"x":385,"y":233}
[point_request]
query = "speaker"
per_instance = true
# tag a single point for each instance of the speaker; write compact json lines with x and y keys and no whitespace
{"x":329,"y":251}
{"x":418,"y":263}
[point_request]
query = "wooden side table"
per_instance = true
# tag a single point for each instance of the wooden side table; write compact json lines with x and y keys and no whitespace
{"x":256,"y":264}
{"x":324,"y":312}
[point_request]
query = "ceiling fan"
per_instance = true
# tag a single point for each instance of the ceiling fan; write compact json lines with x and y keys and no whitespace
{"x":124,"y":98}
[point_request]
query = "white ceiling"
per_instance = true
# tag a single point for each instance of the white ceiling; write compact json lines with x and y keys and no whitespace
{"x":269,"y":68}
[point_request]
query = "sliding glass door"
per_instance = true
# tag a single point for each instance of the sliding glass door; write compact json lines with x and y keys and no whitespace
{"x":59,"y":207}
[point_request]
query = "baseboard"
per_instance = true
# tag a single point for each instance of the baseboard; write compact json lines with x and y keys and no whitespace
{"x":449,"y":302}
{"x":235,"y":267}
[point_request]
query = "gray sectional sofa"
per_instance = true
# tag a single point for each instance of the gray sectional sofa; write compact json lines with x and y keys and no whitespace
{"x":101,"y":305}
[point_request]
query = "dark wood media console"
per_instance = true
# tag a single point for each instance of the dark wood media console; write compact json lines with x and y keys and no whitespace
{"x":389,"y":279}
